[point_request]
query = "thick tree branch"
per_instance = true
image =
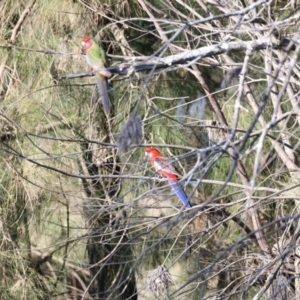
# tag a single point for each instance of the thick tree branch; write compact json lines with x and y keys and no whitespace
{"x":137,"y":64}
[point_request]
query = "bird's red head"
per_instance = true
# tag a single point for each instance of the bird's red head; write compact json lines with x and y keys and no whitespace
{"x":152,"y":152}
{"x":86,"y":42}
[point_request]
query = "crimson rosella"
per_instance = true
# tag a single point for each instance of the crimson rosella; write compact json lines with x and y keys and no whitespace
{"x":96,"y":59}
{"x":163,"y":167}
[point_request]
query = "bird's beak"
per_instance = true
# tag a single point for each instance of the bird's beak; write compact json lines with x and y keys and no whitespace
{"x":83,"y":43}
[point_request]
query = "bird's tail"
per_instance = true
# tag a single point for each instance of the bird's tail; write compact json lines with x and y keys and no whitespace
{"x":180,"y":193}
{"x":102,"y":85}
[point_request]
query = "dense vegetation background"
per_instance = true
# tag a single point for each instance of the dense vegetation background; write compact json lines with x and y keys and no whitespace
{"x":216,"y":85}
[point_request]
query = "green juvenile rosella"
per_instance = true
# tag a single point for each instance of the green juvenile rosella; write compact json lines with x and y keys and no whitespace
{"x":96,"y":59}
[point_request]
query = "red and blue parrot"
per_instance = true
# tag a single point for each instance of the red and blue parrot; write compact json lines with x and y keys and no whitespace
{"x":163,"y":167}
